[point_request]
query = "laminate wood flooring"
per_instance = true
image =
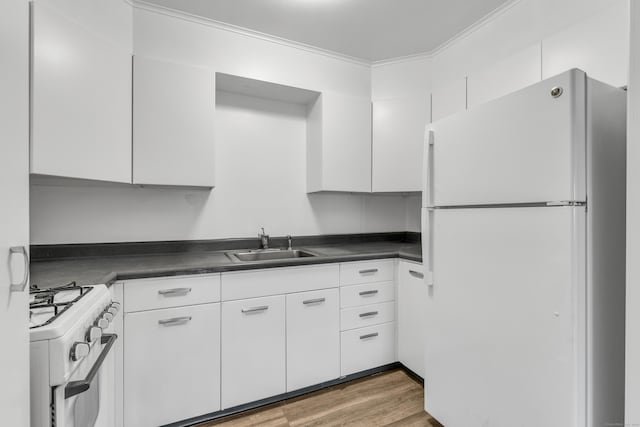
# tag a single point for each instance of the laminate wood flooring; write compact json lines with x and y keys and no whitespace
{"x":388,"y":399}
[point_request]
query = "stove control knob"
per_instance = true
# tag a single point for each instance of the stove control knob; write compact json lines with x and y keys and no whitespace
{"x":94,"y":334}
{"x":108,"y":316}
{"x":79,"y":350}
{"x":102,"y":323}
{"x":112,"y":309}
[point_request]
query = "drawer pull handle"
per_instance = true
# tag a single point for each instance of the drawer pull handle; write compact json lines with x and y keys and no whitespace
{"x":255,"y":309}
{"x":175,"y":321}
{"x":416,"y":274}
{"x":366,"y":293}
{"x":314,"y":301}
{"x":368,"y":271}
{"x":174,"y":292}
{"x":369,"y":313}
{"x":373,"y":335}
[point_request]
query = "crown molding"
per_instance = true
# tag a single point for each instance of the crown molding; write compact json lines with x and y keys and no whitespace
{"x":490,"y":17}
{"x":485,"y":20}
{"x":144,"y":5}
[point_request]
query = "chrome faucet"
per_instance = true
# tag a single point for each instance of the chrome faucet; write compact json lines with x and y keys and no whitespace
{"x":289,"y":243}
{"x":264,"y":239}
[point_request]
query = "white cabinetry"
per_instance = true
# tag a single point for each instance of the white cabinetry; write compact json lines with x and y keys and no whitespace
{"x":339,"y":143}
{"x":171,"y":344}
{"x":81,"y":89}
{"x":448,"y":98}
{"x":367,"y":315}
{"x":398,"y":137}
{"x":412,"y":298}
{"x":506,"y":76}
{"x":171,"y":364}
{"x":313,"y":338}
{"x":598,"y":46}
{"x":173,"y":131}
{"x":253,"y":349}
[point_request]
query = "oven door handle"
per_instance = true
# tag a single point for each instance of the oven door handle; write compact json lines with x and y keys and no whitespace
{"x":77,"y":387}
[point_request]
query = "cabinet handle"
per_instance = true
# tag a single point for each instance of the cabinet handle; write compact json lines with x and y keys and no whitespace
{"x":365,"y":293}
{"x":255,"y":309}
{"x":175,"y":321}
{"x":416,"y":274}
{"x":19,"y":287}
{"x":364,"y":337}
{"x":174,"y":291}
{"x":368,"y":314}
{"x":314,"y":301}
{"x":369,"y":270}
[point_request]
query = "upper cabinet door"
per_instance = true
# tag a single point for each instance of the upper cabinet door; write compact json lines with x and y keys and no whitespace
{"x":448,"y":99}
{"x":81,"y":89}
{"x":510,"y":74}
{"x":339,"y":143}
{"x":599,"y":46}
{"x":398,"y":139}
{"x":173,"y":132}
{"x":523,"y":148}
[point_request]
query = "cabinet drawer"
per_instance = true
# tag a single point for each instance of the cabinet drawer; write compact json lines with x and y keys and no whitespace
{"x":367,"y":348}
{"x":165,"y":292}
{"x":353,"y":273}
{"x":367,"y":315}
{"x":369,"y":293}
{"x":277,"y":281}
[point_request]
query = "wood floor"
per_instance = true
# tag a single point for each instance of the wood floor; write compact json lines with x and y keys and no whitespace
{"x":388,"y":399}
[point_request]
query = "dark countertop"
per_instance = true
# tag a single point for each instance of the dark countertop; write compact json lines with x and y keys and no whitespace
{"x":111,"y":268}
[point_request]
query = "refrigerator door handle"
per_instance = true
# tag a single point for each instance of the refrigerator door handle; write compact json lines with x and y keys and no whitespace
{"x":428,"y":277}
{"x":430,"y":173}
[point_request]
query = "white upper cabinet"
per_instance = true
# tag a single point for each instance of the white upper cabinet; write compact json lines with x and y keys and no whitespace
{"x":173,"y":132}
{"x":599,"y":46}
{"x":448,"y":98}
{"x":81,"y":89}
{"x":339,"y":143}
{"x":501,"y":78}
{"x":398,"y":135}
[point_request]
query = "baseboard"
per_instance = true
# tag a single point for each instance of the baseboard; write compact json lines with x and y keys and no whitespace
{"x":294,"y":394}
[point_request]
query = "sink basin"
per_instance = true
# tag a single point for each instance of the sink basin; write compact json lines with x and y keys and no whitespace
{"x":269,"y":254}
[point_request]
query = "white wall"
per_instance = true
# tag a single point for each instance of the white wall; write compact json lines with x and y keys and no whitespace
{"x":261,"y":182}
{"x":632,"y":399}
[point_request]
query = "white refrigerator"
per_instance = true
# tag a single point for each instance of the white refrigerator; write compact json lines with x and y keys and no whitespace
{"x":524,"y":253}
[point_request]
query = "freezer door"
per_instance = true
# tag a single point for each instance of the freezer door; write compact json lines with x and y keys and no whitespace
{"x":526,"y":147}
{"x":505,"y":318}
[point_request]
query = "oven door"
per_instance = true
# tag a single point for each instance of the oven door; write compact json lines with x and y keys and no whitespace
{"x":87,"y":400}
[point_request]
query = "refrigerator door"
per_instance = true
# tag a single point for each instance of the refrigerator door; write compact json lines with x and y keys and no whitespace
{"x":526,"y":147}
{"x":505,"y":318}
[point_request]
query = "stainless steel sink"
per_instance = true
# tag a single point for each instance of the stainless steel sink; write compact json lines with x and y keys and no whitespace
{"x":269,"y":254}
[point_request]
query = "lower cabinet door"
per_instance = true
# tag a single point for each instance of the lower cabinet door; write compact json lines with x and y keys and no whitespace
{"x":313,"y":338}
{"x":367,"y":348}
{"x":171,"y":364}
{"x":253,"y":350}
{"x":412,"y":308}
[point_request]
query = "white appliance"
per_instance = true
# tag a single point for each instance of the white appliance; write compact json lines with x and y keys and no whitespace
{"x":524,"y":243}
{"x":72,"y":365}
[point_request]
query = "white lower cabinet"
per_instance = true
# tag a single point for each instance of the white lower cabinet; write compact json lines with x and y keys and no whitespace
{"x":313,"y":338}
{"x":171,"y":364}
{"x":367,"y":348}
{"x":253,"y":349}
{"x":412,"y":297}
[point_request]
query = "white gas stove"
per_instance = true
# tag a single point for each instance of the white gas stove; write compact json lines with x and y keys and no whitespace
{"x":72,"y":370}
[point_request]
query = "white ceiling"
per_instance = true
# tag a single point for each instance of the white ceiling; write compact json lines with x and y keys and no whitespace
{"x":372,"y":30}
